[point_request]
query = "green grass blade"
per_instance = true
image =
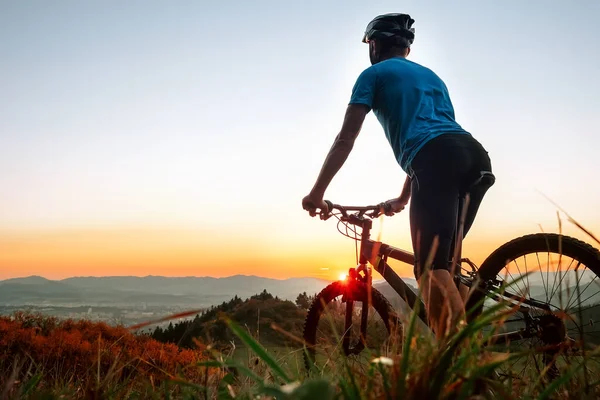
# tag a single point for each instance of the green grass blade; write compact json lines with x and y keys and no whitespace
{"x":317,"y":389}
{"x":31,"y":384}
{"x":550,"y":389}
{"x":410,"y":332}
{"x":469,"y":331}
{"x":167,"y":392}
{"x":312,"y":389}
{"x":347,"y":393}
{"x":355,"y":393}
{"x":275,"y":392}
{"x":260,"y":351}
{"x":232,"y":364}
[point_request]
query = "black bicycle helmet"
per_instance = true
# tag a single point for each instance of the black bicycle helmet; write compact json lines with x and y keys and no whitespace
{"x":391,"y":25}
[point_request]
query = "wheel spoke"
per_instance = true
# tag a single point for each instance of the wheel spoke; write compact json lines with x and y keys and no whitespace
{"x":577,"y":284}
{"x":526,"y":277}
{"x":542,"y":276}
{"x":588,"y":285}
{"x":559,"y":283}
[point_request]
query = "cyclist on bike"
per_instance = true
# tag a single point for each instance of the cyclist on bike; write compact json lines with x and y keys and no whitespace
{"x":440,"y":158}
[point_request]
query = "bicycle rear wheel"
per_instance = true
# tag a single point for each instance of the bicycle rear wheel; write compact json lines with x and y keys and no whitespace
{"x":556,"y":279}
{"x":325,"y":324}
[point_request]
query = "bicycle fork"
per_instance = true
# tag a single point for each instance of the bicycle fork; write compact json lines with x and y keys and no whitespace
{"x":358,"y":347}
{"x":354,"y":276}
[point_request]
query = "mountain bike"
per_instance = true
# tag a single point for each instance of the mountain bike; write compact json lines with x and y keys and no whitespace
{"x":551,"y":320}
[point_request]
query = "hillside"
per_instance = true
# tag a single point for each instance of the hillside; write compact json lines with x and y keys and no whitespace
{"x":256,"y":313}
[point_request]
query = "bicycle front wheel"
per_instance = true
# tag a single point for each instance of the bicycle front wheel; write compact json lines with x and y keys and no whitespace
{"x":548,"y":286}
{"x":325,"y":324}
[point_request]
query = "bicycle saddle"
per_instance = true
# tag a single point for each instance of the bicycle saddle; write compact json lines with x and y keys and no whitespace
{"x":485,"y":178}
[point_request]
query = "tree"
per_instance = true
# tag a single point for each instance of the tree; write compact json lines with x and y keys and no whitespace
{"x":264,"y":295}
{"x":303,"y":301}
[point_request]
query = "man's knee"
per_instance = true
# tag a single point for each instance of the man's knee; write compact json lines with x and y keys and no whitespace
{"x":419,"y":269}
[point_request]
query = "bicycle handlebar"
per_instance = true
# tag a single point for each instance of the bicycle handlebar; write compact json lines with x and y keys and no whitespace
{"x":375,"y":210}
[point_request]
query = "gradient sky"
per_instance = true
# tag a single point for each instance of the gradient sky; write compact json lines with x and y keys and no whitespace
{"x":178,"y":138}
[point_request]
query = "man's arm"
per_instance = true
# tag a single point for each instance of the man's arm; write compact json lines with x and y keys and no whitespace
{"x":341,"y":148}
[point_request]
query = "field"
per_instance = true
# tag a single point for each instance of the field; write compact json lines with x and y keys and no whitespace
{"x":42,"y":357}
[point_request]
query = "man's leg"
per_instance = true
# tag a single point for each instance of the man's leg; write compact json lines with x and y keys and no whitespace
{"x":433,"y":217}
{"x":445,"y":306}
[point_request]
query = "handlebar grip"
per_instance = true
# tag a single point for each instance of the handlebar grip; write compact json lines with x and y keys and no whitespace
{"x":384,"y":208}
{"x":387,"y":207}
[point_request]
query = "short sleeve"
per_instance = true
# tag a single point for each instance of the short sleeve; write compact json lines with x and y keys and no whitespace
{"x":363,"y":91}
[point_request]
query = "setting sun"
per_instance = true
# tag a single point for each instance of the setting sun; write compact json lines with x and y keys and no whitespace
{"x":343,"y":277}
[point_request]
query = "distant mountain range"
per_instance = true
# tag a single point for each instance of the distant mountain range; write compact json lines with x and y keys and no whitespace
{"x":200,"y":292}
{"x":151,"y":290}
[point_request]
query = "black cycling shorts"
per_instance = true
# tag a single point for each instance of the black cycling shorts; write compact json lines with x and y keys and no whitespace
{"x":443,"y":168}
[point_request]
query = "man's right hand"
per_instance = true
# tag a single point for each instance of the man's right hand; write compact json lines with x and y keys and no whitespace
{"x":396,"y":205}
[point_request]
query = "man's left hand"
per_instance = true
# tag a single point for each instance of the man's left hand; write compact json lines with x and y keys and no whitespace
{"x":312,"y":202}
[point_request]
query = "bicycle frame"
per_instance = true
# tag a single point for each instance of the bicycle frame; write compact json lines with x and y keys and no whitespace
{"x":377,"y":254}
{"x":385,"y":251}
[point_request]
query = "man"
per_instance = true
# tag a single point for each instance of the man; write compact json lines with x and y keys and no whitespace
{"x":440,"y":158}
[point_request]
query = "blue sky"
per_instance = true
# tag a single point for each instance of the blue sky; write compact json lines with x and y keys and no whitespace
{"x":216,"y":116}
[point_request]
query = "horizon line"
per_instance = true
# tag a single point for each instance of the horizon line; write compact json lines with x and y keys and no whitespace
{"x":176,"y":277}
{"x":164,"y":276}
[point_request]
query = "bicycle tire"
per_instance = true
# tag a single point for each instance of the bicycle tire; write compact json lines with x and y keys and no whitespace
{"x":356,"y":291}
{"x":532,"y":243}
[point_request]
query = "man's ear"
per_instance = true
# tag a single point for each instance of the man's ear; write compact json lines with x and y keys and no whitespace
{"x":408,"y":51}
{"x":372,"y":46}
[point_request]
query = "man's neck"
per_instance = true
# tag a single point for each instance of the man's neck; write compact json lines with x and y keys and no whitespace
{"x":393,"y":54}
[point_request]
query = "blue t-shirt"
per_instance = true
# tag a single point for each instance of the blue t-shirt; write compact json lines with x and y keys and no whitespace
{"x":410,"y":101}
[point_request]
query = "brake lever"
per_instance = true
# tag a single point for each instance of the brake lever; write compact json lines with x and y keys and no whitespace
{"x":373,"y":214}
{"x":326,"y":215}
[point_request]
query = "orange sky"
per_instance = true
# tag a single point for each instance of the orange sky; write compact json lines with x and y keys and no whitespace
{"x":57,"y":254}
{"x":169,"y":252}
